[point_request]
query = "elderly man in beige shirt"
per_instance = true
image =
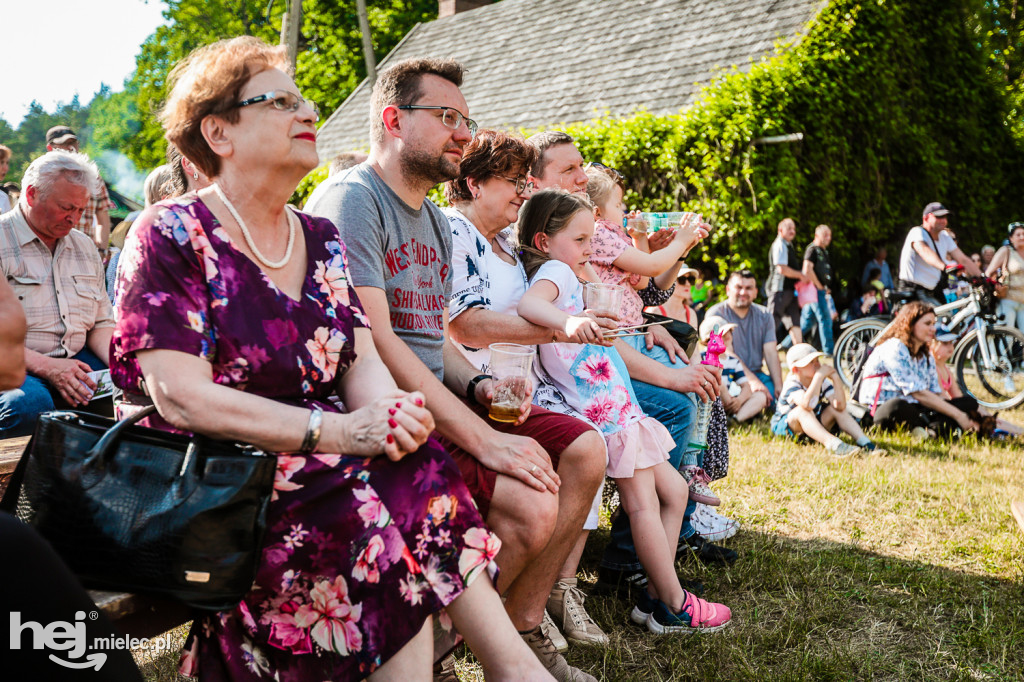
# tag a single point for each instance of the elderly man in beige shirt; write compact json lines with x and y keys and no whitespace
{"x":57,"y":277}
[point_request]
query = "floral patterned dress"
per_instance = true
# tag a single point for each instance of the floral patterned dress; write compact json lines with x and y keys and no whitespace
{"x":596,"y":385}
{"x":359,"y":551}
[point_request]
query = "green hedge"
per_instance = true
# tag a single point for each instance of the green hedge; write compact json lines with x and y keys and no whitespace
{"x":896,"y":108}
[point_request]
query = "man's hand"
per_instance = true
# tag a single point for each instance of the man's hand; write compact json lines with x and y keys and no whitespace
{"x":659,"y":336}
{"x":71,"y":379}
{"x":703,"y":380}
{"x":660,"y":239}
{"x":484,"y":393}
{"x":522,"y":458}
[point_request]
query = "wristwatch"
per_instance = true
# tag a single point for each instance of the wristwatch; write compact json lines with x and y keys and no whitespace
{"x":471,"y":386}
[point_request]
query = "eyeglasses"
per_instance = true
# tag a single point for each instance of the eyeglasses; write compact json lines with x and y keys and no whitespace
{"x":1013,"y":227}
{"x":282,"y":100}
{"x":608,"y":169}
{"x":452,"y":118}
{"x":521,"y":183}
{"x":688,"y":279}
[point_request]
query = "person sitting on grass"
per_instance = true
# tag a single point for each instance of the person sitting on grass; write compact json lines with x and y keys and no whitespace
{"x":941,"y":348}
{"x":810,"y":405}
{"x":738,"y":398}
{"x":900,"y":382}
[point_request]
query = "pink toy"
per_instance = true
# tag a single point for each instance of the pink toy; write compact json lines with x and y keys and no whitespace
{"x":715,"y":348}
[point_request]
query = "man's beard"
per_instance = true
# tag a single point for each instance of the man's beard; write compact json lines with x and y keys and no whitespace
{"x":424,"y":166}
{"x":741,"y":304}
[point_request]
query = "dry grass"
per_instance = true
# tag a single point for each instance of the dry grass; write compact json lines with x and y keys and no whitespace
{"x":905,"y":566}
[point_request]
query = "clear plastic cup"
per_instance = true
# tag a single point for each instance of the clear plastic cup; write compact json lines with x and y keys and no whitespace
{"x":510,"y":368}
{"x":603,"y":299}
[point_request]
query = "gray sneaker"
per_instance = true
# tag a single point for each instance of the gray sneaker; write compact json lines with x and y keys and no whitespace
{"x":845,"y":450}
{"x":553,"y":661}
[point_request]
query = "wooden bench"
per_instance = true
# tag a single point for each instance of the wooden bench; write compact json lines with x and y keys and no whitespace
{"x":137,"y":615}
{"x":10,"y":453}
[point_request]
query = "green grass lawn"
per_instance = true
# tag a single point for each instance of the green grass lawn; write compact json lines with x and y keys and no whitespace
{"x":903,"y":566}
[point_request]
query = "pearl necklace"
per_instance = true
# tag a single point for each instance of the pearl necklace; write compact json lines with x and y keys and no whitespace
{"x":291,"y":218}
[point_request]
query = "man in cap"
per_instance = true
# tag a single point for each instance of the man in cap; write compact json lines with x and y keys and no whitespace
{"x":925,"y":253}
{"x":95,"y":220}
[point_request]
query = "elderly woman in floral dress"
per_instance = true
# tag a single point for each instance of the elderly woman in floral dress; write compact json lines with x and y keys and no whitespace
{"x":237,"y":321}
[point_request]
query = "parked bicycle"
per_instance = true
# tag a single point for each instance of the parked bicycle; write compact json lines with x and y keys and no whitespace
{"x":988,"y":361}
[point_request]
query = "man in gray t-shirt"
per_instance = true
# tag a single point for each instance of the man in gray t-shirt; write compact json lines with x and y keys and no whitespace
{"x":392,"y":246}
{"x":754,"y":336}
{"x":533,"y":481}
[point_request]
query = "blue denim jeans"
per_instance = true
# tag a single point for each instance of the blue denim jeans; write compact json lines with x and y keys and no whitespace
{"x":678,"y":412}
{"x":818,"y":313}
{"x":19,"y":407}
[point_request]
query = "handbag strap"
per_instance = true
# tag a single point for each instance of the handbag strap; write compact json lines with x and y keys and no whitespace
{"x":880,"y":377}
{"x":113,"y":434}
{"x":100,"y":449}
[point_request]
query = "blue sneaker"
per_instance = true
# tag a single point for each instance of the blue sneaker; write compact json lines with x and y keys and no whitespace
{"x":643,"y":609}
{"x":696,"y":615}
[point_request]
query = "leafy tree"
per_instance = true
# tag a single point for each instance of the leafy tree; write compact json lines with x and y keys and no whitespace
{"x":330,"y":61}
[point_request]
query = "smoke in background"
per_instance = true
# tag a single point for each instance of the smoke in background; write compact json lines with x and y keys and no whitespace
{"x":121,"y":174}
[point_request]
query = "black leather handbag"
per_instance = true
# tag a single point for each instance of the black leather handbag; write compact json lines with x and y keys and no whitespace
{"x":134,"y":509}
{"x":684,"y":334}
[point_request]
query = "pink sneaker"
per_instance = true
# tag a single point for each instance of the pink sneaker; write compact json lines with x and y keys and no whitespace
{"x":696,"y":615}
{"x":698,"y":482}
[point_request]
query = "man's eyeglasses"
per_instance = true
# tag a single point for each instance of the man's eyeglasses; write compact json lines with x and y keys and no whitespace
{"x":282,"y":100}
{"x":607,"y":169}
{"x":452,"y":118}
{"x":521,"y":183}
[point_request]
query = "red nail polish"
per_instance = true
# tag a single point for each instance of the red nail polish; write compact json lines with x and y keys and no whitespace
{"x":398,"y":404}
{"x":392,"y":411}
{"x":390,"y":439}
{"x":392,"y":423}
{"x":419,"y":402}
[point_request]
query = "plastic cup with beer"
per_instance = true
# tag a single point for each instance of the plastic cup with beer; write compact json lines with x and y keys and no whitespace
{"x":510,"y":369}
{"x":603,"y":299}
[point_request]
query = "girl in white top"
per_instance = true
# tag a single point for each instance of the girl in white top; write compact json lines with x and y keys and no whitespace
{"x":555,"y":229}
{"x":1010,"y":260}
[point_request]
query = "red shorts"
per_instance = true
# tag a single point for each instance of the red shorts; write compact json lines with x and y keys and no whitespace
{"x":555,"y":432}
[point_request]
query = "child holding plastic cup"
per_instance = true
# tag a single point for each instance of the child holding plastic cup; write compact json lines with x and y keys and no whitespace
{"x":555,"y":229}
{"x":618,"y":261}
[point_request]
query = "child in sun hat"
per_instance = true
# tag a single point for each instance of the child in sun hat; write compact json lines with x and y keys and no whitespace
{"x":810,"y":404}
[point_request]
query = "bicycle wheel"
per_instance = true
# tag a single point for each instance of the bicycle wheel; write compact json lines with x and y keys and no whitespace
{"x":850,"y":345}
{"x":997,"y":383}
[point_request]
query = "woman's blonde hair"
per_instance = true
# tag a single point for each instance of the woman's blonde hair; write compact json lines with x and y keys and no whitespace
{"x":547,"y":212}
{"x":209,"y":81}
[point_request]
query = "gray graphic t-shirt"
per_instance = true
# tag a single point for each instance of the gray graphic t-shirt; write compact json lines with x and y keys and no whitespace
{"x":394,"y":247}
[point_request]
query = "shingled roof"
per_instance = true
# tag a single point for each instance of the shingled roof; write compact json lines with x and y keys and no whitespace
{"x":533,"y":63}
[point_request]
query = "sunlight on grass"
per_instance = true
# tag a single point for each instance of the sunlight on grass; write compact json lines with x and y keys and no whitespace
{"x":889,"y":567}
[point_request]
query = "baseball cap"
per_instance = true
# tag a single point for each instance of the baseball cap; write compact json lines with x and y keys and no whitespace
{"x":936,"y":209}
{"x":60,"y":135}
{"x":801,"y":355}
{"x":944,"y":334}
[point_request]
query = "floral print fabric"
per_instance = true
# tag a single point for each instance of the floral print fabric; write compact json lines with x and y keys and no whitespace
{"x":609,"y":241}
{"x":900,"y":373}
{"x":359,"y":552}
